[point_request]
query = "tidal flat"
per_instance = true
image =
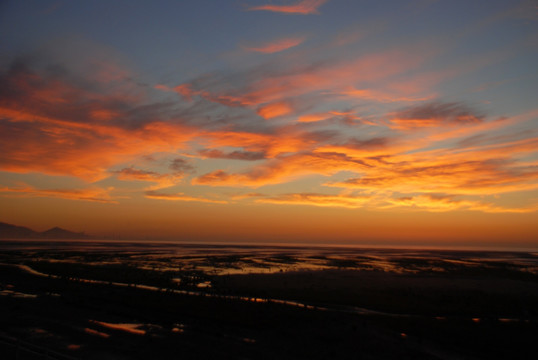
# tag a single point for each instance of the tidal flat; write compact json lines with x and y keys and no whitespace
{"x":126,"y":300}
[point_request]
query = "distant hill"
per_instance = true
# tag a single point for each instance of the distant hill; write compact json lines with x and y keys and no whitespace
{"x":9,"y":231}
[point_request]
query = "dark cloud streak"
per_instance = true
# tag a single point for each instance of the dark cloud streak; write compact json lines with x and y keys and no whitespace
{"x":435,"y":114}
{"x":234,"y":155}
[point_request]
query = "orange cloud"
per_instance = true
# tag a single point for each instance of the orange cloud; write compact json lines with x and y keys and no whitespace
{"x":425,"y":164}
{"x":491,"y":169}
{"x":184,"y":90}
{"x":187,"y":92}
{"x":378,"y":95}
{"x":161,"y":180}
{"x":91,"y":194}
{"x":314,"y":117}
{"x":104,"y":114}
{"x":440,"y":154}
{"x":283,"y":140}
{"x":283,"y":169}
{"x":180,"y":197}
{"x":86,"y":152}
{"x":234,"y":155}
{"x":435,"y":114}
{"x":483,"y":127}
{"x":163,"y":87}
{"x":374,"y":149}
{"x":275,"y":109}
{"x":348,"y":116}
{"x":383,"y":201}
{"x":424,"y":202}
{"x":52,"y":126}
{"x":276,"y":45}
{"x":304,"y":7}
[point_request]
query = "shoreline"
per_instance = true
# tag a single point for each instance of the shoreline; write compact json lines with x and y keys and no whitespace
{"x":269,"y":245}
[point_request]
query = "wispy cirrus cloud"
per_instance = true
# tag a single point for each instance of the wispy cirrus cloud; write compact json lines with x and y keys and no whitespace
{"x":316,"y":199}
{"x":275,"y":45}
{"x":180,"y":197}
{"x":381,"y":96}
{"x":386,"y":164}
{"x":258,"y":87}
{"x":280,"y":140}
{"x":160,"y":180}
{"x":435,"y":114}
{"x":347,"y":116}
{"x":492,"y":169}
{"x":443,"y":203}
{"x":303,"y":7}
{"x":93,"y":194}
{"x":233,"y":155}
{"x":282,"y":169}
{"x":436,"y":203}
{"x":179,"y":168}
{"x":425,"y":202}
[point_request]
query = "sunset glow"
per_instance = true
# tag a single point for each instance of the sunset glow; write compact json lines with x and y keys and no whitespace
{"x":333,"y":122}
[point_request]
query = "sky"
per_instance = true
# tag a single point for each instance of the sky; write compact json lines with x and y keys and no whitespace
{"x":285,"y":121}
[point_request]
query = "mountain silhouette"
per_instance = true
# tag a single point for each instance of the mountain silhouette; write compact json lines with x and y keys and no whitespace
{"x":9,"y":231}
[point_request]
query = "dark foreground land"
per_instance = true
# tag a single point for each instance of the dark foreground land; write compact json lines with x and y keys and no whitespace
{"x":49,"y":310}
